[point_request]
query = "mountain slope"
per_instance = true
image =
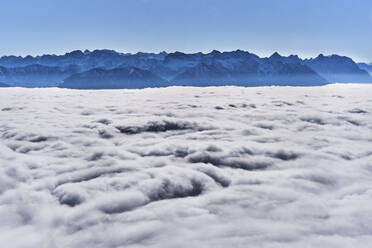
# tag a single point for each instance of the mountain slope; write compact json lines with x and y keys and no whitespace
{"x":128,"y":77}
{"x":338,"y":69}
{"x":107,"y":59}
{"x":249,"y":71}
{"x":290,"y":70}
{"x":366,"y":67}
{"x":35,"y":75}
{"x":205,"y":75}
{"x":2,"y":85}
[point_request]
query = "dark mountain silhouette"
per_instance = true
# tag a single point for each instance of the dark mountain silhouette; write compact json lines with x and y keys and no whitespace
{"x":110,"y":69}
{"x":337,"y":68}
{"x":35,"y":75}
{"x":286,"y":71}
{"x":250,"y":71}
{"x":204,"y":75}
{"x":2,"y":85}
{"x":129,"y":77}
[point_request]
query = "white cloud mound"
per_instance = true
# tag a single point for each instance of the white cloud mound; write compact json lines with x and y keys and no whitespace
{"x":186,"y":167}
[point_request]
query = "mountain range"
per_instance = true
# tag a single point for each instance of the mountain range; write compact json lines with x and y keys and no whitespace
{"x":108,"y":69}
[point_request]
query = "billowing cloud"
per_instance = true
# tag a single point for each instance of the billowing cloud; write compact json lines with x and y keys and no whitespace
{"x":186,"y":167}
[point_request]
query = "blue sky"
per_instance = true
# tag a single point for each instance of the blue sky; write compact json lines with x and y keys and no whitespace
{"x":303,"y":27}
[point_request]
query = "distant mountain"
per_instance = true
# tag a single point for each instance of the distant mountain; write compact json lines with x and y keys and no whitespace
{"x":110,"y":69}
{"x":129,"y":77}
{"x":150,"y":63}
{"x":2,"y":85}
{"x":205,"y":75}
{"x":289,"y":71}
{"x":366,"y":67}
{"x":242,"y":68}
{"x":107,"y":59}
{"x":35,"y":75}
{"x":337,"y":68}
{"x":291,"y":59}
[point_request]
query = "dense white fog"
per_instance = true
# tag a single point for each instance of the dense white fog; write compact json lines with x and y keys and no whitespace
{"x":186,"y":167}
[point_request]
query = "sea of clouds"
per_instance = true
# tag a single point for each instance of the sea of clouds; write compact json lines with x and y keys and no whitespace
{"x":186,"y":167}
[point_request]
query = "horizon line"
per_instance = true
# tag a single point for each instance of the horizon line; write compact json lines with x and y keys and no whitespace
{"x":176,"y":51}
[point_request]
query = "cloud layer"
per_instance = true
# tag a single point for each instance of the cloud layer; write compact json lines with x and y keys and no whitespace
{"x":186,"y":167}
